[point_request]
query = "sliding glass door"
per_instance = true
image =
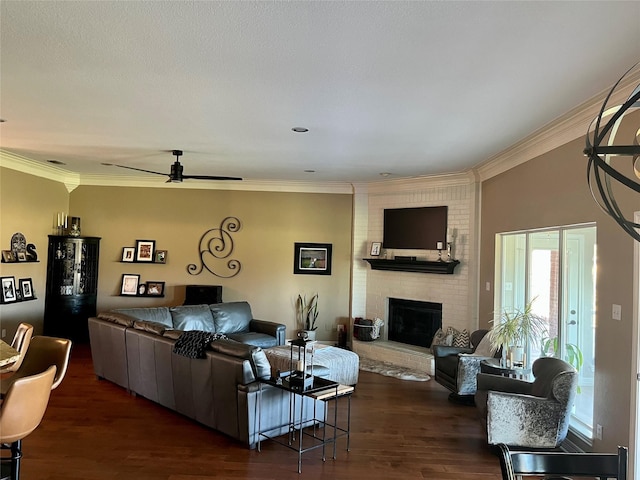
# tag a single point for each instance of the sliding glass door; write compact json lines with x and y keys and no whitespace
{"x":555,"y":268}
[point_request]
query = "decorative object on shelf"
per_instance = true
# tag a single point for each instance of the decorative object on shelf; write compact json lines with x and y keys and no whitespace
{"x":416,"y":266}
{"x":144,"y":250}
{"x":599,"y":167}
{"x":216,"y":245}
{"x":375,"y":249}
{"x":26,"y":287}
{"x":142,"y":289}
{"x":8,"y":285}
{"x":312,"y":258}
{"x":60,"y":223}
{"x":155,"y":289}
{"x":74,"y":230}
{"x":513,"y":331}
{"x":439,"y":247}
{"x":161,"y":256}
{"x":301,"y":357}
{"x":307,"y":315}
{"x":32,"y":255}
{"x":451,"y":234}
{"x":128,"y":254}
{"x":129,"y":284}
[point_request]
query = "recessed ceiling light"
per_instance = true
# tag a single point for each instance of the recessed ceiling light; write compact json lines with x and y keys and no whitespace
{"x":309,"y":171}
{"x":107,"y":164}
{"x":384,"y":174}
{"x":300,"y":129}
{"x":56,"y":162}
{"x":2,"y":120}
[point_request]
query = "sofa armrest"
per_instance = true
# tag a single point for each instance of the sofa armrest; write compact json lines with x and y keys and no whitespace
{"x":468,"y":369}
{"x":523,"y":420}
{"x":277,"y":330}
{"x":446,"y":350}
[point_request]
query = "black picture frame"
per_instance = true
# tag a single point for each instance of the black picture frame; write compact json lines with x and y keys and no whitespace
{"x":155,"y":289}
{"x":8,"y":292}
{"x":312,"y":258}
{"x":130,"y":284}
{"x":145,"y":250}
{"x":26,"y":287}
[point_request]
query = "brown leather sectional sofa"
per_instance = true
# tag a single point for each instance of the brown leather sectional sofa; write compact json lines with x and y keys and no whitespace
{"x":219,"y":391}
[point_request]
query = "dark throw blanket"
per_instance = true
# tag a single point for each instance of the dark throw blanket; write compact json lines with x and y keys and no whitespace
{"x":193,"y":343}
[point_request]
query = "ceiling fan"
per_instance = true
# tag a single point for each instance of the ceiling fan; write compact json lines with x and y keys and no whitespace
{"x":176,"y":171}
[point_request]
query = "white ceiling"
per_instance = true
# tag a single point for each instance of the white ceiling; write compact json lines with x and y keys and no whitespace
{"x":410,"y":88}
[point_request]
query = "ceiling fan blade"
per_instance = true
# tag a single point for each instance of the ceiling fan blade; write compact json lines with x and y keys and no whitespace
{"x":210,"y":177}
{"x":139,"y":169}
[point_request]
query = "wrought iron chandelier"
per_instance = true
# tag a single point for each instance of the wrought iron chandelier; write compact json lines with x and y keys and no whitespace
{"x":601,"y":150}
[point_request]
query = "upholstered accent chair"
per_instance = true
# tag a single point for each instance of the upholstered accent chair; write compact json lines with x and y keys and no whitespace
{"x":527,"y":414}
{"x":456,"y":368}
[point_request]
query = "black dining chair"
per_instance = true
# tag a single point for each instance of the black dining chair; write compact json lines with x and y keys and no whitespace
{"x":562,"y":465}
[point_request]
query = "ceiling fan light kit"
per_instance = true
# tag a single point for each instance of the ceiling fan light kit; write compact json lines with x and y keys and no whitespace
{"x":176,"y":173}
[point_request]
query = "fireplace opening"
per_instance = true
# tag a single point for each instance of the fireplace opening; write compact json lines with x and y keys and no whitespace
{"x":413,"y":322}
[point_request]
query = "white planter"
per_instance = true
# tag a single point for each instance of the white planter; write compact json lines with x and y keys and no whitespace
{"x":311,"y":334}
{"x":517,"y":357}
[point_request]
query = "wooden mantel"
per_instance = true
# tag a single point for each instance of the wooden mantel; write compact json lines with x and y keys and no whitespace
{"x":419,"y":266}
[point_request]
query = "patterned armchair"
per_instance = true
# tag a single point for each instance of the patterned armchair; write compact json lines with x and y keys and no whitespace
{"x":528,"y":414}
{"x":456,"y":368}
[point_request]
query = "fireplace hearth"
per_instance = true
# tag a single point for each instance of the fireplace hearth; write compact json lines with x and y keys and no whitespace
{"x":413,"y":322}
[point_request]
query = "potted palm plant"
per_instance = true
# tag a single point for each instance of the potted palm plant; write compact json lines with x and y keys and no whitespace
{"x":514,"y":330}
{"x":307,"y":314}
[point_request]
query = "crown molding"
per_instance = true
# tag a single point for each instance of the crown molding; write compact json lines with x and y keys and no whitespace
{"x":565,"y":129}
{"x":420,"y":183}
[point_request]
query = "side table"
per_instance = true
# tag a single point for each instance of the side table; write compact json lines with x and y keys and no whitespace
{"x":493,"y":367}
{"x":321,"y":390}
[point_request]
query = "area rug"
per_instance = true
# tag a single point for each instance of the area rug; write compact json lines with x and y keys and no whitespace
{"x":390,"y":370}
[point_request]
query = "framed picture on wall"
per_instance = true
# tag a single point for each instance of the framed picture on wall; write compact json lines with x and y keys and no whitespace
{"x":8,"y":286}
{"x":161,"y":256}
{"x":375,"y":249}
{"x":128,"y":254}
{"x":129,"y":284}
{"x":26,"y":287}
{"x":144,"y":250}
{"x":155,"y":289}
{"x":312,"y":258}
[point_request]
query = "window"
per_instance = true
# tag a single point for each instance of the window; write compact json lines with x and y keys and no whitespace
{"x":555,"y":268}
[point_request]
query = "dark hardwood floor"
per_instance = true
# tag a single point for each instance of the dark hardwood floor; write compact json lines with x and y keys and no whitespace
{"x":94,"y":430}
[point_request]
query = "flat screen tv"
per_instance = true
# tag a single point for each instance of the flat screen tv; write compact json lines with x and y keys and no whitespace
{"x":414,"y":228}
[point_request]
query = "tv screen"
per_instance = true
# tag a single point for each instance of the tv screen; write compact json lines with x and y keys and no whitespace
{"x":415,"y":228}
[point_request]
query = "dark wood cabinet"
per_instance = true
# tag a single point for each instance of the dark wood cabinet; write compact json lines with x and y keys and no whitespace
{"x":72,"y":286}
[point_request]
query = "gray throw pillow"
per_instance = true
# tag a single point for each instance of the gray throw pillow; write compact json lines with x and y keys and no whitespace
{"x":151,"y":314}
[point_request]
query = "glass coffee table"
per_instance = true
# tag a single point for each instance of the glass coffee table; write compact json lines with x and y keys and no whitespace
{"x":310,"y":434}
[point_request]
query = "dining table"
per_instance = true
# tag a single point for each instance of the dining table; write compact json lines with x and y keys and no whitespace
{"x":8,"y":354}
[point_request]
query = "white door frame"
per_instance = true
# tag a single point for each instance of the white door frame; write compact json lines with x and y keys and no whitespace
{"x":634,"y":441}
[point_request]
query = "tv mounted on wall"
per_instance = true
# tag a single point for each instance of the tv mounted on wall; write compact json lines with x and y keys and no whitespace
{"x":414,"y":228}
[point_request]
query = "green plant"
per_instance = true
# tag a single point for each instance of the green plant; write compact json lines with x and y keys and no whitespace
{"x":516,"y":328}
{"x":573,"y":354}
{"x":307,"y":311}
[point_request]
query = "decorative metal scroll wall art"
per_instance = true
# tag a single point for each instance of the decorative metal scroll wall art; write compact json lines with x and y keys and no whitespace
{"x":215,"y":248}
{"x":601,"y":151}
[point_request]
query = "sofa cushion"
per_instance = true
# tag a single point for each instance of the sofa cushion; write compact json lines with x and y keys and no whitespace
{"x":484,"y":348}
{"x":256,"y":356}
{"x":150,"y":314}
{"x":192,"y":317}
{"x":461,"y":339}
{"x":256,"y":339}
{"x":232,"y":317}
{"x":172,"y":334}
{"x":118,"y":318}
{"x":151,"y":327}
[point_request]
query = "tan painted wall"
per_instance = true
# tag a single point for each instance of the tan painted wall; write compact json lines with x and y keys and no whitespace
{"x":28,"y":205}
{"x":548,"y":191}
{"x":177,"y":218}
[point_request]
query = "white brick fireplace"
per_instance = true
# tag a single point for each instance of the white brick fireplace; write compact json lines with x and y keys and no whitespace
{"x":373,"y":288}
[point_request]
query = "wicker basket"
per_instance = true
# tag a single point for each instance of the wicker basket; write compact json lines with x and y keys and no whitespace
{"x":363,"y":330}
